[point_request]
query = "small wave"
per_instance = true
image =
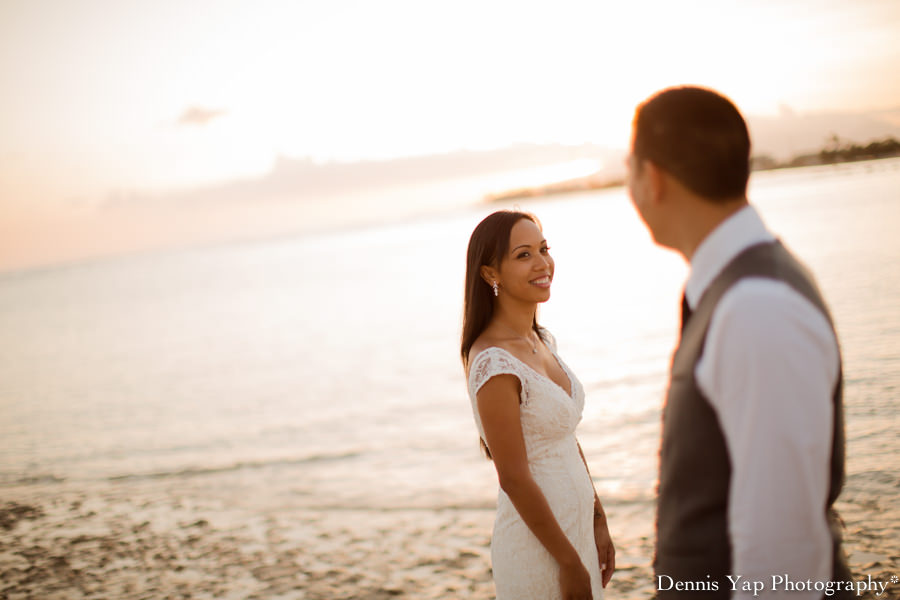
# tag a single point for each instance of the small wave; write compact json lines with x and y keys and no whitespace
{"x":31,"y":480}
{"x":870,"y":477}
{"x":457,"y":506}
{"x":402,"y":507}
{"x":238,"y":466}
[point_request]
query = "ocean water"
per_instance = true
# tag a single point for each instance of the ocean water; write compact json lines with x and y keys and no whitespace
{"x":329,"y":363}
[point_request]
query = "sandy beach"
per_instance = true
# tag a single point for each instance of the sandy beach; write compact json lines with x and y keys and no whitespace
{"x":219,"y":537}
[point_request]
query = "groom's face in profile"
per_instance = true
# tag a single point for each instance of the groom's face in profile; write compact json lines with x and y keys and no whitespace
{"x":638,"y":187}
{"x":643,"y":182}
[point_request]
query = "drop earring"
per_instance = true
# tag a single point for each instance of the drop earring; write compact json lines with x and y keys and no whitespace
{"x":496,"y":289}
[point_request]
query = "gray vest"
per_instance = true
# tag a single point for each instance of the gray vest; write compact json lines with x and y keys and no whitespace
{"x":692,"y":529}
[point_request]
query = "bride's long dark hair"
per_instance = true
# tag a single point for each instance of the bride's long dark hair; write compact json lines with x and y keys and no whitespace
{"x":487,"y":246}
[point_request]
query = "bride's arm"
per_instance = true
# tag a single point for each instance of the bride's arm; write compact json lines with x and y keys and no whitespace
{"x":498,"y":408}
{"x":605,"y":549}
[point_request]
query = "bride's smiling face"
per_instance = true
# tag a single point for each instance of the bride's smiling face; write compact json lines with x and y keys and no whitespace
{"x":526,"y":269}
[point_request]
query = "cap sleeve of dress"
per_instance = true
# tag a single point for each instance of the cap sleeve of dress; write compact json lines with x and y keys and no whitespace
{"x":490,"y":363}
{"x":487,"y":364}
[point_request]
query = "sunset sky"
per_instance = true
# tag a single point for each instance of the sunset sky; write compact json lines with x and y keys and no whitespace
{"x":113,"y":96}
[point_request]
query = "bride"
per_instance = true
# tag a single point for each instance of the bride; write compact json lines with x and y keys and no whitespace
{"x":550,"y":536}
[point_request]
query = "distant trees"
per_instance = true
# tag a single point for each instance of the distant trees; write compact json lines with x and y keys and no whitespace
{"x":835,"y":151}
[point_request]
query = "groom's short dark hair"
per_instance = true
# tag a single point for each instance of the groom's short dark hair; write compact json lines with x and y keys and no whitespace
{"x":699,"y":137}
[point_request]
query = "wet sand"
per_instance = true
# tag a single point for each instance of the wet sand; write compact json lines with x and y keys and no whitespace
{"x":205,"y":539}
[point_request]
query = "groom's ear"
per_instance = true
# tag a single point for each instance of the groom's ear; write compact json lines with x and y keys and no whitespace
{"x":656,"y":177}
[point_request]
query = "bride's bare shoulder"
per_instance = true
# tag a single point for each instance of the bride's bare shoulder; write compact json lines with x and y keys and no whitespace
{"x":483,"y":342}
{"x":477,"y":348}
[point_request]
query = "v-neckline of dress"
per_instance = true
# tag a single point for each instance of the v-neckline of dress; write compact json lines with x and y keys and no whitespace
{"x":570,"y":394}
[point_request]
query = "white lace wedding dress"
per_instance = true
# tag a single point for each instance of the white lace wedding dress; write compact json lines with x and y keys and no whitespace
{"x":523,"y":569}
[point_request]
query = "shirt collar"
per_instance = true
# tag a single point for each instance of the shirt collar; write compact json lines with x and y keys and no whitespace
{"x":735,"y":234}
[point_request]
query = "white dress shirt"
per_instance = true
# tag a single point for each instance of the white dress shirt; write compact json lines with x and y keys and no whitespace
{"x":769,"y":369}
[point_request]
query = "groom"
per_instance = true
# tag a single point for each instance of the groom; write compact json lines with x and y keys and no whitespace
{"x":752,"y":454}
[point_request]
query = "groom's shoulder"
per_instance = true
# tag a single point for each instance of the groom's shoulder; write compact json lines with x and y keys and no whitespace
{"x":758,"y":309}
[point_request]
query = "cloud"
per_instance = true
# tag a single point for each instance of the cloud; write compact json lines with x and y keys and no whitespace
{"x":199,"y":116}
{"x":471,"y":172}
{"x":785,"y":110}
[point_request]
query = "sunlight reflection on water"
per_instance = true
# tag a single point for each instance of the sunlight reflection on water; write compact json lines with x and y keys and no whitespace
{"x":333,"y":359}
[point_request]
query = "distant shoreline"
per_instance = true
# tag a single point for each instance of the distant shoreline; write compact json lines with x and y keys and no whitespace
{"x":834,"y":153}
{"x":595,"y":181}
